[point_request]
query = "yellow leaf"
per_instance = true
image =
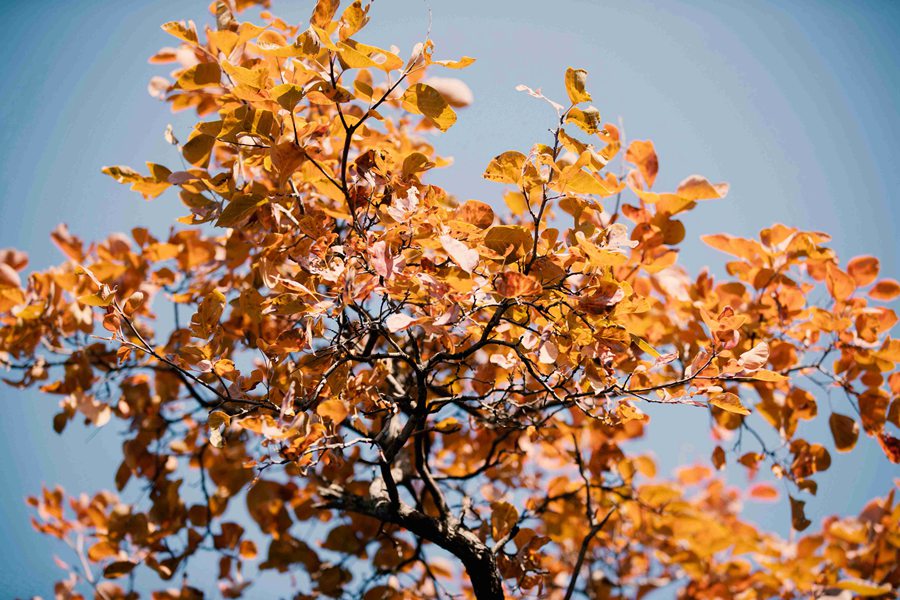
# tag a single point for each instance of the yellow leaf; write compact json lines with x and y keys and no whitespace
{"x":122,"y":174}
{"x":425,"y":100}
{"x":643,"y":345}
{"x":767,"y":375}
{"x":448,"y":425}
{"x":239,"y":209}
{"x":224,"y":41}
{"x":575,"y":82}
{"x":462,"y":63}
{"x":30,"y":312}
{"x":95,"y":300}
{"x":588,"y":119}
{"x":324,"y":12}
{"x":505,"y":168}
{"x":516,"y":202}
{"x":365,"y":56}
{"x":102,"y":550}
{"x":218,"y":418}
{"x":864,"y":588}
{"x":729,"y":403}
{"x":287,"y":95}
{"x":354,"y":18}
{"x":254,"y":78}
{"x":198,"y":149}
{"x":697,"y":187}
{"x":183,"y":32}
{"x":199,"y":76}
{"x":577,"y":180}
{"x":508,"y":240}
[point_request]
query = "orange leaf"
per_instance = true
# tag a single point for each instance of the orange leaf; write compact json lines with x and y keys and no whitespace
{"x":333,"y":409}
{"x":863,"y":269}
{"x":512,"y":284}
{"x":763,"y":492}
{"x":840,"y":285}
{"x":643,"y":154}
{"x":886,"y":289}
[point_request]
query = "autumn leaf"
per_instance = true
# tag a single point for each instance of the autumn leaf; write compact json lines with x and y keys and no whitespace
{"x":333,"y":409}
{"x":239,"y":209}
{"x":398,"y":322}
{"x":864,"y":588}
{"x":512,"y":284}
{"x":798,"y":516}
{"x":199,"y":76}
{"x":118,"y":569}
{"x":505,"y":168}
{"x":333,"y":341}
{"x":218,"y":418}
{"x":185,"y":32}
{"x":885,"y":290}
{"x":575,"y":83}
{"x":287,"y":95}
{"x":504,"y":517}
{"x":425,"y":100}
{"x":465,"y":258}
{"x":845,"y":431}
{"x":696,"y":187}
{"x":763,"y":492}
{"x":324,"y":12}
{"x":863,"y":270}
{"x":729,"y":402}
{"x":755,"y":358}
{"x":643,"y":155}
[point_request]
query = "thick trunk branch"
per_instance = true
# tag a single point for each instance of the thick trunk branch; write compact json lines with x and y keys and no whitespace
{"x":476,"y":557}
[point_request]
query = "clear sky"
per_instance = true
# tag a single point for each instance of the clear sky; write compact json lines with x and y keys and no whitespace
{"x":793,"y":103}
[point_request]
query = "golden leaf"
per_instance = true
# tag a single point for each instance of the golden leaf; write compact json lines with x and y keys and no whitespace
{"x":425,"y":100}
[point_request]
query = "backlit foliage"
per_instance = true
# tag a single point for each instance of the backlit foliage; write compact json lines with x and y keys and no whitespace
{"x":385,"y":393}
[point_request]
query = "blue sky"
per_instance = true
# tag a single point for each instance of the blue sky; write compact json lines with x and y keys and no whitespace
{"x":792,"y":103}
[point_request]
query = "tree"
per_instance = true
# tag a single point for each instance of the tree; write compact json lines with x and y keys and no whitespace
{"x":389,"y":394}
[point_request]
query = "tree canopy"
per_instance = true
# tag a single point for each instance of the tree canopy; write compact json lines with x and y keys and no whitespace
{"x":333,"y":369}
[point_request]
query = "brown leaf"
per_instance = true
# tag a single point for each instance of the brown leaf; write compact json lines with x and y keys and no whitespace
{"x":845,"y":431}
{"x":798,"y":516}
{"x":504,"y":517}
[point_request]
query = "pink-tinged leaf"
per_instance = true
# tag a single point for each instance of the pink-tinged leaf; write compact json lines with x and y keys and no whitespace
{"x":466,"y":258}
{"x":398,"y":322}
{"x":382,"y":260}
{"x":755,"y":358}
